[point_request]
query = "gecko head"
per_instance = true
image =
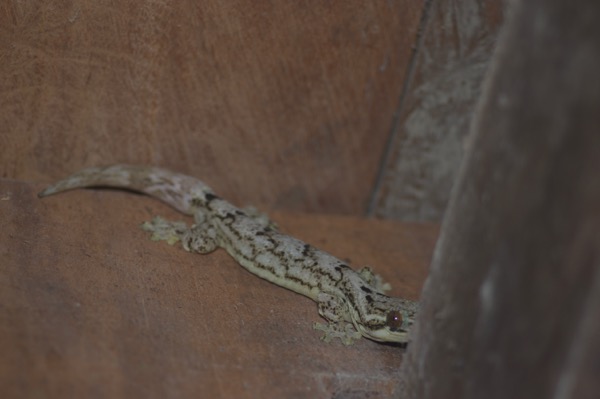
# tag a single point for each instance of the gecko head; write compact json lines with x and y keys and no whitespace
{"x":387,"y":319}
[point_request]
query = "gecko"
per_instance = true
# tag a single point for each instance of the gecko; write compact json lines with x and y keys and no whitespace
{"x":353,"y":303}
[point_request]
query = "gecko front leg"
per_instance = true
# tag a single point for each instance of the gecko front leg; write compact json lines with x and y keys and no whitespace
{"x":334,"y":310}
{"x":373,"y":279}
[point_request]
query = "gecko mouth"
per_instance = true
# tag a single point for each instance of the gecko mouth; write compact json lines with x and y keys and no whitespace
{"x":382,"y":332}
{"x":388,"y":336}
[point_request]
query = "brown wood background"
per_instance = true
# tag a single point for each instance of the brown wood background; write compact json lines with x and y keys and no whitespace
{"x":339,"y":107}
{"x":293,"y":105}
{"x":283,"y":105}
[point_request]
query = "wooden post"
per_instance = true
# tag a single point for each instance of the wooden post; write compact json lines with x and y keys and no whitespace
{"x":512,"y":305}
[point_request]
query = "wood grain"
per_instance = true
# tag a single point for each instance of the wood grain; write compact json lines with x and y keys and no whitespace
{"x":510,"y":309}
{"x":286,"y":105}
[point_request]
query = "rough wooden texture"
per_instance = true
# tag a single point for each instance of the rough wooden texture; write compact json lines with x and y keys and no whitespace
{"x":427,"y":143}
{"x":511,"y":308}
{"x":90,"y":307}
{"x":296,"y":98}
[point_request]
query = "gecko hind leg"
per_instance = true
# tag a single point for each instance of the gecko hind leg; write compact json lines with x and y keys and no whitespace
{"x":344,"y":331}
{"x":199,"y":238}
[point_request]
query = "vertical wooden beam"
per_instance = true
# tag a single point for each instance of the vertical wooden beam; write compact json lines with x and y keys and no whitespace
{"x":512,"y":305}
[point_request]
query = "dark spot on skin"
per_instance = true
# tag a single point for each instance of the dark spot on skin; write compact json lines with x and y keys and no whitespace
{"x":366,"y":289}
{"x":228,"y":217}
{"x":239,"y":212}
{"x":341,"y":266}
{"x":210,"y":197}
{"x":306,"y":250}
{"x":189,"y":241}
{"x":196,"y":202}
{"x":369,"y":299}
{"x":298,"y":281}
{"x":394,"y":320}
{"x":264,"y":267}
{"x":350,"y":297}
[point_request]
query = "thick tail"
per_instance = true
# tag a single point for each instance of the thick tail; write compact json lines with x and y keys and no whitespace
{"x":180,"y":191}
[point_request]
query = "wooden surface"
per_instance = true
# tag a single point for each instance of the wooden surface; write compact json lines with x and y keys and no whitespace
{"x":511,"y":308}
{"x":286,"y":105}
{"x":90,"y":307}
{"x":441,"y":93}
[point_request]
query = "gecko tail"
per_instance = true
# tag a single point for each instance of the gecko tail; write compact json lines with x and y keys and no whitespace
{"x":180,"y":191}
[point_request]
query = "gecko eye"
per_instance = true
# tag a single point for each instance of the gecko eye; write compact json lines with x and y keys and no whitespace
{"x":394,"y":320}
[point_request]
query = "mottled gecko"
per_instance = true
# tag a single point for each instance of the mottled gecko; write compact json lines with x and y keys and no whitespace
{"x":353,"y":303}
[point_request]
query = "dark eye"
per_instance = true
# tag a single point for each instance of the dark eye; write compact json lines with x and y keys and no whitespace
{"x":394,"y":320}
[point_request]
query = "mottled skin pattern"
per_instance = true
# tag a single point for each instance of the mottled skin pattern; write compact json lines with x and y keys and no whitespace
{"x":352,"y":302}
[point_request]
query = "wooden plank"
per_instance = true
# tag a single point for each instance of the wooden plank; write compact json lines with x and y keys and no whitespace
{"x":89,"y":306}
{"x":287,"y":105}
{"x":511,"y":308}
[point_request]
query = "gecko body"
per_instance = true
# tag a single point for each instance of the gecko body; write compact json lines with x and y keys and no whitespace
{"x":352,"y":302}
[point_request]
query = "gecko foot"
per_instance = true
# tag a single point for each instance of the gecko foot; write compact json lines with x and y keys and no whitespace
{"x":163,"y":230}
{"x":346,"y":334}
